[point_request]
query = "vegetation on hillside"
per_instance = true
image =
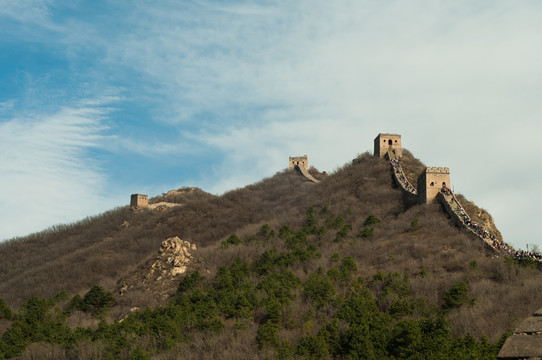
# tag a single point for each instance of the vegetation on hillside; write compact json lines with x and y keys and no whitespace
{"x":290,"y":269}
{"x":297,"y":310}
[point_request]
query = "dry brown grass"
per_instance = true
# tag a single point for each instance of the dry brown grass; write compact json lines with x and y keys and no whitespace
{"x":231,"y":343}
{"x":4,"y":324}
{"x":436,"y":256}
{"x":412,"y":166}
{"x":82,"y":319}
{"x":41,"y":351}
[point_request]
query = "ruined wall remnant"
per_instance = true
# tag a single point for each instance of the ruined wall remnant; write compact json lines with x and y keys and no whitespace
{"x":139,"y":200}
{"x":431,"y":181}
{"x":388,"y":142}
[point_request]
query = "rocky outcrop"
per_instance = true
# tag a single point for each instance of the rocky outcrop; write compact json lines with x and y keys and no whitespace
{"x":160,"y":275}
{"x":175,"y":256}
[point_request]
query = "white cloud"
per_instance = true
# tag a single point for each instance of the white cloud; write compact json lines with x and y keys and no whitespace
{"x":7,"y":105}
{"x":26,"y":11}
{"x":323,"y":78}
{"x":47,"y":177}
{"x":459,"y":80}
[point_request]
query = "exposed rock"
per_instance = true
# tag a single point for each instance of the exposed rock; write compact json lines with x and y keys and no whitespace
{"x":159,"y":277}
{"x":174,"y":257}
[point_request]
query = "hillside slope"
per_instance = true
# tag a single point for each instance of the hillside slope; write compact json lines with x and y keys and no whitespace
{"x":420,"y":243}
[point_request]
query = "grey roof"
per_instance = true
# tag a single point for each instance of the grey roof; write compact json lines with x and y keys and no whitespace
{"x":520,"y":346}
{"x":526,"y":341}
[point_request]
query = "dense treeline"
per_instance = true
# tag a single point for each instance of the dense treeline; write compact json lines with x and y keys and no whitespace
{"x":342,"y":313}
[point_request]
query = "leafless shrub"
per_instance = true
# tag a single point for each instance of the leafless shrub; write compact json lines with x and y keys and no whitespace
{"x":41,"y":351}
{"x":231,"y":343}
{"x":87,"y":350}
{"x":4,"y":324}
{"x":82,"y":319}
{"x":101,"y":249}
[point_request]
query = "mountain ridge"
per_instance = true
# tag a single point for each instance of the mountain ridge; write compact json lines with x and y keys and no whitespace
{"x":432,"y":251}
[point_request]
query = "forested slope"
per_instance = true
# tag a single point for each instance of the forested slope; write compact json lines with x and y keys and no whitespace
{"x":290,"y":269}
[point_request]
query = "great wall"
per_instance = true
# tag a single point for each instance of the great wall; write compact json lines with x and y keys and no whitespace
{"x":526,"y":340}
{"x":428,"y":181}
{"x":433,"y":184}
{"x":301,"y":163}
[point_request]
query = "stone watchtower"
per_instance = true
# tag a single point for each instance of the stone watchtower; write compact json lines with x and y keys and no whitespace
{"x":385,"y":142}
{"x":139,"y":200}
{"x":299,"y":161}
{"x":431,"y":181}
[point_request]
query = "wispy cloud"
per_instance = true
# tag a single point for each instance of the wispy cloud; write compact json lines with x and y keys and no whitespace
{"x":26,"y":11}
{"x":46,"y":173}
{"x":451,"y":77}
{"x":7,"y":105}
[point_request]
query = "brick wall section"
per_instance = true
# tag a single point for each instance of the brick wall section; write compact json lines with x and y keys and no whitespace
{"x":431,"y":181}
{"x":449,"y":201}
{"x":305,"y":173}
{"x":453,"y":208}
{"x":399,"y":175}
{"x":385,"y":142}
{"x":301,"y":161}
{"x":139,"y":200}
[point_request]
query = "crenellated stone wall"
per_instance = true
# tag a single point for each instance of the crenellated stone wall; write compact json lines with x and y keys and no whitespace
{"x":307,"y":174}
{"x":399,"y":175}
{"x":300,"y":161}
{"x":139,"y":200}
{"x":386,"y":142}
{"x":431,"y":181}
{"x":457,"y":213}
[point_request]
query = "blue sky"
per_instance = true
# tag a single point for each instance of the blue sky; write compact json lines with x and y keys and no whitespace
{"x":101,"y":99}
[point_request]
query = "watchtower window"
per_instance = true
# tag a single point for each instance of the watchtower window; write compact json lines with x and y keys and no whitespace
{"x":390,"y":142}
{"x":432,"y":183}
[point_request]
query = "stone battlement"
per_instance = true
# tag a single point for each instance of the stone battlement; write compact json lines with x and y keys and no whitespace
{"x":387,"y":142}
{"x":429,"y":182}
{"x":139,"y":200}
{"x":300,"y":161}
{"x":438,"y":170}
